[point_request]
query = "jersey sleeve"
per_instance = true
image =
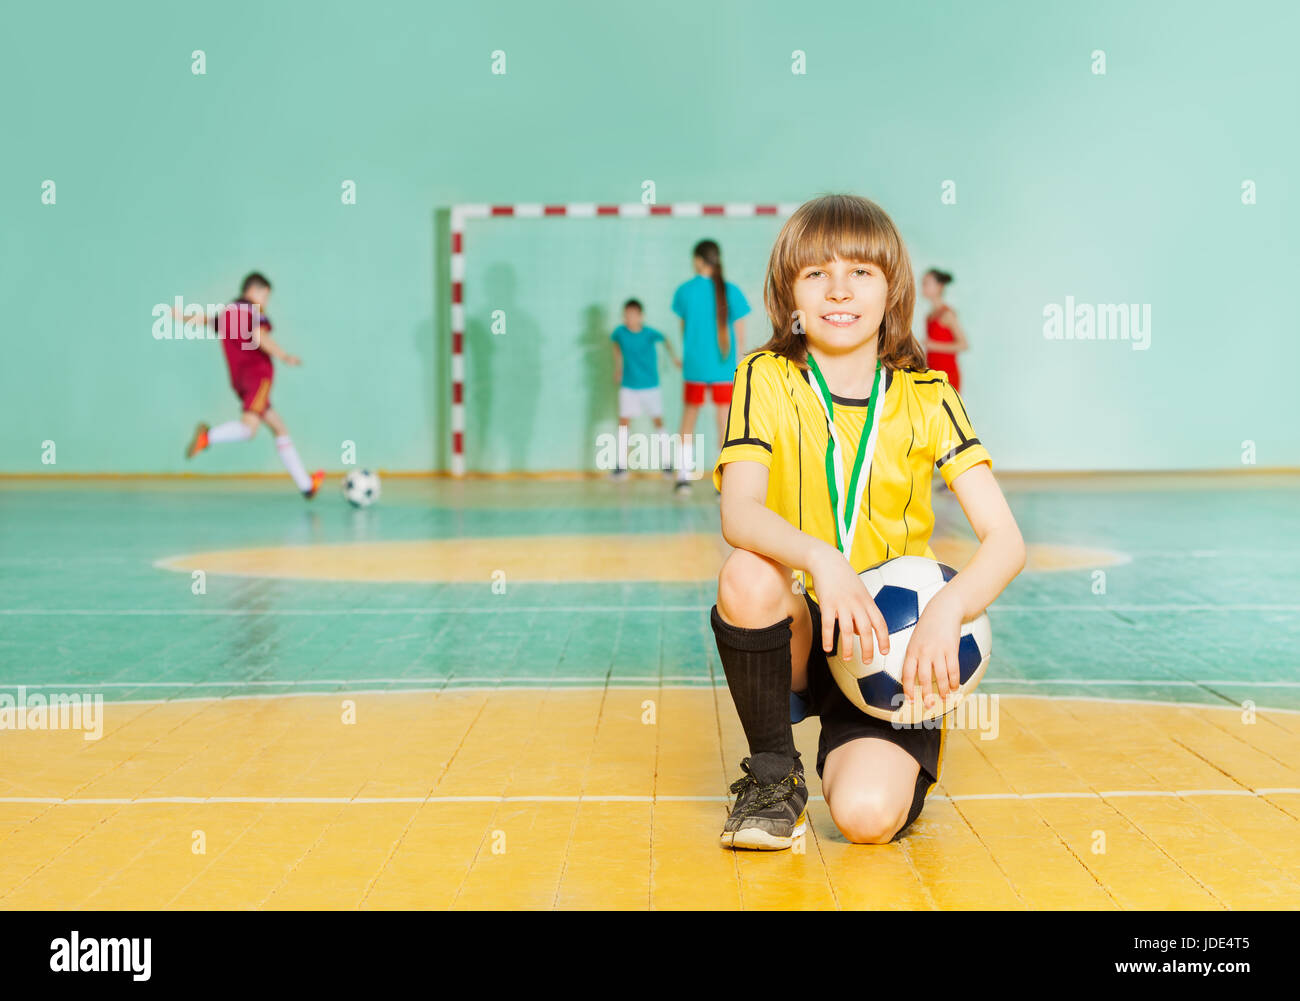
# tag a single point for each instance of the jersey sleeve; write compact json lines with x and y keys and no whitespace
{"x":752,"y":419}
{"x":952,"y":436}
{"x":679,"y":301}
{"x":737,"y":304}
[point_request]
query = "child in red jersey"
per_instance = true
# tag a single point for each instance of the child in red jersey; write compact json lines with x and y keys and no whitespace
{"x":944,"y":338}
{"x":245,"y":335}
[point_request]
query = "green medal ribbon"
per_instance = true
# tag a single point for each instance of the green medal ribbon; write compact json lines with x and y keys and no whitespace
{"x":846,"y":521}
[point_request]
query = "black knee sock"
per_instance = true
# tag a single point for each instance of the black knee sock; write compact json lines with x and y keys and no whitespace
{"x":757,"y":665}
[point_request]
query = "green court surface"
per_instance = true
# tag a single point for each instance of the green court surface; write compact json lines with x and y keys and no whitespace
{"x":1201,"y":602}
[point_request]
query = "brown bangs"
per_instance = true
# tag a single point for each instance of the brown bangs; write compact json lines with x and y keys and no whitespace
{"x":850,"y":228}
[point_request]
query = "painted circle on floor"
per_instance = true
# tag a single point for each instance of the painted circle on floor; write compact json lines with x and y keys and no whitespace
{"x":664,"y":557}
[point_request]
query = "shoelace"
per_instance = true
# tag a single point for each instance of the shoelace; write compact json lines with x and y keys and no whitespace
{"x":768,"y":795}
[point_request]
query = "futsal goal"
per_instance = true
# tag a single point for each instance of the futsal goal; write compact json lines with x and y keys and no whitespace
{"x":536,"y":291}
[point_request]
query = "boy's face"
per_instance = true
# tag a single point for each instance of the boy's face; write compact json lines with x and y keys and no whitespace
{"x":843,"y":303}
{"x":929,"y":286}
{"x":259,"y":295}
{"x":632,"y":318}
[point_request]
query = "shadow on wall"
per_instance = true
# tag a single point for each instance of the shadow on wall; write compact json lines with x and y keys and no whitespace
{"x":598,"y":370}
{"x":502,"y":369}
{"x":431,"y":368}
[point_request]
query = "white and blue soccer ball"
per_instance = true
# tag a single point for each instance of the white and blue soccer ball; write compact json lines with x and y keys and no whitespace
{"x":361,"y":487}
{"x":901,"y":588}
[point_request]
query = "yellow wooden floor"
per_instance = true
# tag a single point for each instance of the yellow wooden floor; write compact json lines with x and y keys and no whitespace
{"x":562,"y":798}
{"x":674,"y":556}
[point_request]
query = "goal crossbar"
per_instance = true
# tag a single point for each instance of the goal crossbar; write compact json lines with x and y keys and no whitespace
{"x":461,"y":214}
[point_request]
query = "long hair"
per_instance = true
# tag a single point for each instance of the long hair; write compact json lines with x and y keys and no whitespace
{"x":711,"y":254}
{"x":850,"y":228}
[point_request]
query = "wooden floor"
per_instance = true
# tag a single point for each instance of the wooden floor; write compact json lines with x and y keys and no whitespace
{"x":614,"y":797}
{"x":508,"y":696}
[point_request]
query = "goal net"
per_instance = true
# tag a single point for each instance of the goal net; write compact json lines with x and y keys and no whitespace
{"x":536,"y":293}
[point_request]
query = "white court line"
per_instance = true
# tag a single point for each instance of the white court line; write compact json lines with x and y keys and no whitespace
{"x":586,"y":679}
{"x":1162,"y":682}
{"x":433,"y":800}
{"x":1224,"y":706}
{"x":607,"y":610}
{"x":475,"y":610}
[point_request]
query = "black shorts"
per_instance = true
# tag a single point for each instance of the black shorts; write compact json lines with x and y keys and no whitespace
{"x":842,"y":721}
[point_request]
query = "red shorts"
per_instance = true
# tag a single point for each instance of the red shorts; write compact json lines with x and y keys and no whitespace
{"x":254,"y":393}
{"x":721,"y":392}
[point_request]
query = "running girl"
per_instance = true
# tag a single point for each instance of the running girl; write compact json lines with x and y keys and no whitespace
{"x":245,"y":335}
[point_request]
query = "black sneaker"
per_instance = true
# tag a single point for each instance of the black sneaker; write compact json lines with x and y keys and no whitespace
{"x":769,"y":810}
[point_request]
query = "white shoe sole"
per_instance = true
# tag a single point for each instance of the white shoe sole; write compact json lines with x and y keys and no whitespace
{"x":759,"y":840}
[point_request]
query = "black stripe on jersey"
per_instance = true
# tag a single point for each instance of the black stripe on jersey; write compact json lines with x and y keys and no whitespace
{"x":846,"y":401}
{"x":889,"y":377}
{"x":955,"y":452}
{"x":749,"y":378}
{"x":789,"y":388}
{"x":964,"y":442}
{"x":963,"y":407}
{"x":746,"y":441}
{"x":730,"y":403}
{"x":911,"y":476}
{"x":953,"y":417}
{"x":925,"y":382}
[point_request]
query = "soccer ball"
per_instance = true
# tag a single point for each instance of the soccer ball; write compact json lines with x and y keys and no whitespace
{"x":361,"y":487}
{"x":901,"y":588}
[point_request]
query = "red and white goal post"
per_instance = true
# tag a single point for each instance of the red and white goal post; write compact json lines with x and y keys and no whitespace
{"x":461,"y":214}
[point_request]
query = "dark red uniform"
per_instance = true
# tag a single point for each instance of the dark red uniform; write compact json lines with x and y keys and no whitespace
{"x":942,"y":361}
{"x":251,"y":370}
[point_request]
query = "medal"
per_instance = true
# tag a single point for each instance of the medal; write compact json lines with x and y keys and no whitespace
{"x":845,"y":516}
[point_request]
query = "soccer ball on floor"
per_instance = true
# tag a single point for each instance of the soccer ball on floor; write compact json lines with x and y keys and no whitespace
{"x":361,"y":487}
{"x":901,"y":588}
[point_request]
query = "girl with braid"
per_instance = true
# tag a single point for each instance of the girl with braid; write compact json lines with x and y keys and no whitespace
{"x":712,"y":311}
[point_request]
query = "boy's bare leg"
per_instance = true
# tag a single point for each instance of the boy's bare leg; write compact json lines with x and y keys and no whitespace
{"x":869,"y":784}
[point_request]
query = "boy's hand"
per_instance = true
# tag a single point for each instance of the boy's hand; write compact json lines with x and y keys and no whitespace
{"x":293,"y":360}
{"x":932,"y":651}
{"x":844,"y":598}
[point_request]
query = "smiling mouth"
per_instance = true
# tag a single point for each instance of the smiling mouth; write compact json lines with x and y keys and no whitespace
{"x":841,"y":319}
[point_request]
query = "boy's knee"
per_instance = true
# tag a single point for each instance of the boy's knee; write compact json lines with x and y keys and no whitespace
{"x":867,"y":818}
{"x":751,"y":591}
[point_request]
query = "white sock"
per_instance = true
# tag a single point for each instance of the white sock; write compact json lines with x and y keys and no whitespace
{"x":229,"y":431}
{"x":687,"y":460}
{"x":289,"y":456}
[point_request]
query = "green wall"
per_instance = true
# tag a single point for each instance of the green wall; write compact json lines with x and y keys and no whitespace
{"x":1122,"y":188}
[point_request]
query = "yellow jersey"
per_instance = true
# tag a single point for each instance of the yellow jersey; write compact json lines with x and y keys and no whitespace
{"x":775,"y":419}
